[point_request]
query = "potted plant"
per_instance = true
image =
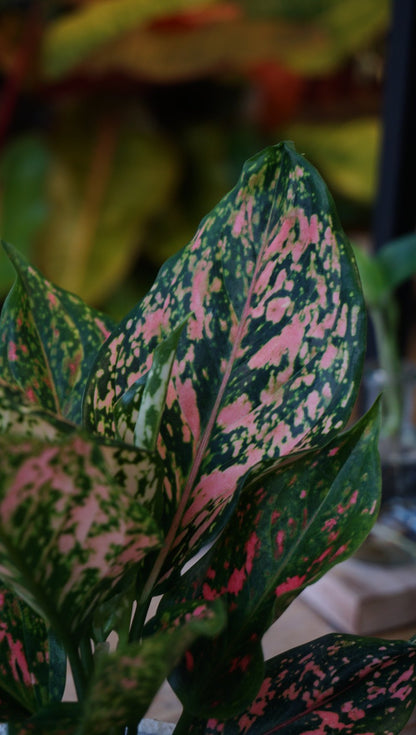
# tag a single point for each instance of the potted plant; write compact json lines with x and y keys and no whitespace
{"x":211,"y":418}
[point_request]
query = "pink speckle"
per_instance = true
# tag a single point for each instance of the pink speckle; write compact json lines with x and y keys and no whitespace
{"x":280,"y":537}
{"x":208,"y":593}
{"x":312,"y":403}
{"x":12,"y":352}
{"x":187,"y":398}
{"x":290,"y":585}
{"x":239,"y":222}
{"x":329,"y":357}
{"x":189,"y":661}
{"x":30,"y":394}
{"x":252,"y":547}
{"x":236,"y":581}
{"x":234,"y":413}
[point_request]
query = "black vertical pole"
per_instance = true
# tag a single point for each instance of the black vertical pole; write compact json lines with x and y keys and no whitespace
{"x":395,"y":210}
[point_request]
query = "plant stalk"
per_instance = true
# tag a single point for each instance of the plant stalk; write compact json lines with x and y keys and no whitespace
{"x":389,"y":360}
{"x":183,"y":725}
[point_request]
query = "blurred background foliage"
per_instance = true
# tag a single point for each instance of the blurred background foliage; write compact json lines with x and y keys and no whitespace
{"x":122,"y":122}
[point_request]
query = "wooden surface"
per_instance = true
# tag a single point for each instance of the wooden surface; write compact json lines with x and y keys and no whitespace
{"x":365,"y":598}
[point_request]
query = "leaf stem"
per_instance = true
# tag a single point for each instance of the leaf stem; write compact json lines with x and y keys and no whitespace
{"x":86,"y":654}
{"x":139,"y":618}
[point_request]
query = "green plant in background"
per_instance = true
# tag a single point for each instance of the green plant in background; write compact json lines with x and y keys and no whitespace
{"x":212,"y":415}
{"x":381,"y":273}
{"x":121,"y":121}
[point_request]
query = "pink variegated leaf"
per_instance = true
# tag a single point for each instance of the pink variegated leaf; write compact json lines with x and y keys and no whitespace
{"x":20,"y":416}
{"x":270,"y":358}
{"x":337,"y":683}
{"x":69,"y":534}
{"x":26,"y":655}
{"x":49,"y":339}
{"x":290,"y":526}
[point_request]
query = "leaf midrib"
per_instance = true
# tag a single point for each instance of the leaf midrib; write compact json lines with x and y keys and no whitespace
{"x":204,"y":441}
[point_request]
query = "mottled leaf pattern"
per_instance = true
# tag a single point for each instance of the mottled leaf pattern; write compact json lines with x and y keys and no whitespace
{"x":269,"y":359}
{"x":215,"y":406}
{"x":142,"y":668}
{"x":290,"y":526}
{"x":67,"y":534}
{"x":49,"y":339}
{"x":21,"y":417}
{"x":134,"y":471}
{"x":337,"y":683}
{"x":24,"y":658}
{"x":147,"y":425}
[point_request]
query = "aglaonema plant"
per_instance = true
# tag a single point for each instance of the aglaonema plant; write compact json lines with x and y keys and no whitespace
{"x":197,"y":451}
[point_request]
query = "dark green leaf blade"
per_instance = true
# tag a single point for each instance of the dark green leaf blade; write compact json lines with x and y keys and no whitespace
{"x":337,"y":683}
{"x":49,"y":339}
{"x":25,"y":656}
{"x":397,"y":259}
{"x":142,"y":667}
{"x":290,"y":526}
{"x":269,"y":360}
{"x":68,"y":534}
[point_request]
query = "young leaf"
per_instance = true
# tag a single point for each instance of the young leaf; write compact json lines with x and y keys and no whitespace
{"x":142,"y":668}
{"x":337,"y":683}
{"x":290,"y":526}
{"x":49,"y":339}
{"x":25,"y":658}
{"x":270,"y":358}
{"x":68,"y":536}
{"x":146,"y":429}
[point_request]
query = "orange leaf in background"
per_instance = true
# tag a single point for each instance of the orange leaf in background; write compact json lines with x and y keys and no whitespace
{"x":278,"y":93}
{"x":199,"y":17}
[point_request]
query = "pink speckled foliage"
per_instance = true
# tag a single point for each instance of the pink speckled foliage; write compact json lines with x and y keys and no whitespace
{"x":269,"y":359}
{"x":213,"y":415}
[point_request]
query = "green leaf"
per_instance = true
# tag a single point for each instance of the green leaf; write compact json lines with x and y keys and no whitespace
{"x":24,"y":165}
{"x":21,"y":417}
{"x":269,"y":361}
{"x":74,"y":36}
{"x":25,"y":659}
{"x":397,"y":259}
{"x":142,"y":668}
{"x":109,"y":178}
{"x":49,"y":339}
{"x":152,"y":404}
{"x":337,"y":683}
{"x":372,"y":275}
{"x":68,"y":535}
{"x":290,"y":526}
{"x":60,"y":718}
